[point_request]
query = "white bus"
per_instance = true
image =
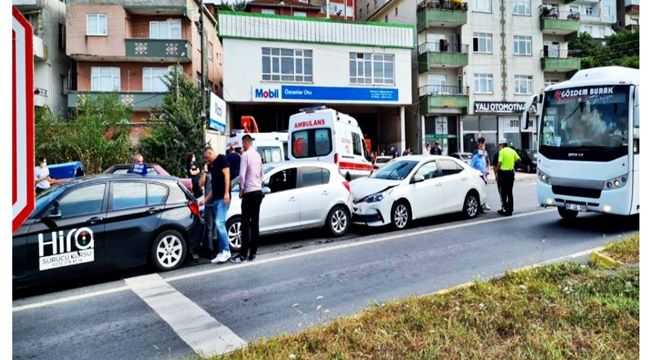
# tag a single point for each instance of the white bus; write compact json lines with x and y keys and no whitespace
{"x":588,"y":148}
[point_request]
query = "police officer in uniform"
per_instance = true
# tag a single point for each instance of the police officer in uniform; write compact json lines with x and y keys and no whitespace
{"x":505,"y":175}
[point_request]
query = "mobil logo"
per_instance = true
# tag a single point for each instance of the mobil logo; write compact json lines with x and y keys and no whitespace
{"x":261,"y":93}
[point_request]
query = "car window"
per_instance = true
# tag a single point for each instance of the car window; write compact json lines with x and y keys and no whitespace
{"x":156,"y":194}
{"x":448,"y":167}
{"x":234,"y":184}
{"x":177,"y":195}
{"x":283,"y":180}
{"x":311,"y":176}
{"x":85,"y":200}
{"x":269,"y":154}
{"x":128,"y":195}
{"x":428,"y":170}
{"x":311,"y":143}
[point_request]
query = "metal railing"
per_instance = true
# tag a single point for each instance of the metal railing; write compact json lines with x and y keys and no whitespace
{"x":443,"y":5}
{"x":442,"y":90}
{"x":557,"y":53}
{"x":546,"y":12}
{"x":443,"y":47}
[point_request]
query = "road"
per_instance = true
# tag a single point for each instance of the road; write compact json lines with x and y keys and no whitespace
{"x":294,"y":284}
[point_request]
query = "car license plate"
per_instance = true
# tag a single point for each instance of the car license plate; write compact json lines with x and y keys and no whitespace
{"x":576,"y":207}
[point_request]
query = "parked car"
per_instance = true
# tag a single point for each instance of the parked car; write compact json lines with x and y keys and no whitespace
{"x":381,"y":161}
{"x":417,"y":186}
{"x":465,"y":157}
{"x":528,"y":162}
{"x":121,"y":169}
{"x":298,"y":195}
{"x":96,"y":224}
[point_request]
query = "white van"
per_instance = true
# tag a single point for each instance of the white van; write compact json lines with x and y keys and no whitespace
{"x":272,"y":146}
{"x":324,"y":134}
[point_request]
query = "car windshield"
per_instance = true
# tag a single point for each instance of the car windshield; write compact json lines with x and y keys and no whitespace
{"x":383,"y":160}
{"x":234,"y":185}
{"x":466,"y":156}
{"x":396,"y":170}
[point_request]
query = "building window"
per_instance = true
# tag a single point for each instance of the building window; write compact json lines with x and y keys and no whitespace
{"x":523,"y":45}
{"x":589,"y":10}
{"x":523,"y":84}
{"x":61,"y":36}
{"x":64,"y":84}
{"x":522,"y":7}
{"x":104,"y":78}
{"x":372,"y":68}
{"x":386,"y":18}
{"x":483,"y":6}
{"x":483,"y":84}
{"x":395,"y":10}
{"x":268,"y":11}
{"x":287,"y":65}
{"x":170,"y":29}
{"x":153,"y":79}
{"x":368,"y":8}
{"x":96,"y":25}
{"x":483,"y":43}
{"x":300,"y":13}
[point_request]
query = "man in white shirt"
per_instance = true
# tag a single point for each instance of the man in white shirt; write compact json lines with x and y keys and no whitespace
{"x":41,"y":175}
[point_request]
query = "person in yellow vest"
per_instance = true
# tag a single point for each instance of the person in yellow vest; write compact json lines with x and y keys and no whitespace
{"x":505,"y":175}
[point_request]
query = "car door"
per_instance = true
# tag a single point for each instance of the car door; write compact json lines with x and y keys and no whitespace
{"x":134,"y":210}
{"x":426,"y":197}
{"x":314,"y":195}
{"x":454,"y":184}
{"x":68,"y":238}
{"x":280,"y":209}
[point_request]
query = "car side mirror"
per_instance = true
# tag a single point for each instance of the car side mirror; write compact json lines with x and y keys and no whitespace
{"x":417,"y":179}
{"x":266,"y":190}
{"x":53,"y":214}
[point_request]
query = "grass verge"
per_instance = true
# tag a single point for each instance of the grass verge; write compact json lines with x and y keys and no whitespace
{"x":559,"y":311}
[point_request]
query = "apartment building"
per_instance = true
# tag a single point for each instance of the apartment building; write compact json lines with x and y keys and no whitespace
{"x":338,"y":9}
{"x":628,"y":14}
{"x":597,"y":17}
{"x":50,"y":63}
{"x":128,"y":46}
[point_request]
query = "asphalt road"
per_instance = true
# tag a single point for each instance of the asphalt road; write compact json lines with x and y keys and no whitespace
{"x":295,"y":284}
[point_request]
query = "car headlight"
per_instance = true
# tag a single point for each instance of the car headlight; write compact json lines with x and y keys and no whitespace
{"x":543,"y":177}
{"x":374,"y":198}
{"x":615,"y":183}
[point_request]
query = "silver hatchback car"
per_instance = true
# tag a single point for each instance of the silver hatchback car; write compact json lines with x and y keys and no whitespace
{"x":298,"y":195}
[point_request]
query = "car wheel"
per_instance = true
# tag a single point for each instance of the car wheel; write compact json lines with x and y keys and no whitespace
{"x":471,"y":205}
{"x":567,"y":214}
{"x":169,"y":250}
{"x":233,"y":228}
{"x":400,"y":215}
{"x":338,"y":221}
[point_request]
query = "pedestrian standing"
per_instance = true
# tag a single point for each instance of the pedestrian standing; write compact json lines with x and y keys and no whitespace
{"x":427,"y":150}
{"x":138,"y":167}
{"x":194,"y":173}
{"x":220,"y":195}
{"x":209,"y":233}
{"x":251,"y":176}
{"x":234,"y":159}
{"x":436,"y":149}
{"x":41,"y":175}
{"x":506,"y":174}
{"x":479,"y":162}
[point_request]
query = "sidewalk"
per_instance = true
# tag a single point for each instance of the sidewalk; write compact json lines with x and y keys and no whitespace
{"x":519,"y":176}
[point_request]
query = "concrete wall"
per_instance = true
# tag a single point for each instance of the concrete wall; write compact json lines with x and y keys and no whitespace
{"x":111,"y":45}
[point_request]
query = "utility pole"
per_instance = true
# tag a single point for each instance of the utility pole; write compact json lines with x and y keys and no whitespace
{"x":203,"y":117}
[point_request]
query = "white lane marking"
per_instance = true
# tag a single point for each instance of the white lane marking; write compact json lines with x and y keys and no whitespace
{"x":69,"y":299}
{"x":258,"y":262}
{"x":205,"y":335}
{"x":348,"y":245}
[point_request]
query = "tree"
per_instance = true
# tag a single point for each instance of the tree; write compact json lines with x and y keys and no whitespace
{"x":97,"y":134}
{"x":620,"y":49}
{"x":589,"y":50}
{"x":179,"y":129}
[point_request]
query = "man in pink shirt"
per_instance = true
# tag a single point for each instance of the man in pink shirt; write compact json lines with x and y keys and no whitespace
{"x":251,"y":176}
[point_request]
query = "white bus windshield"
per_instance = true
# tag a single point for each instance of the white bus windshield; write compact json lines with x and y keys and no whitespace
{"x":594,"y":119}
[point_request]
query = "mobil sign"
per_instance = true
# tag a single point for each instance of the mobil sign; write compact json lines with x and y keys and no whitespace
{"x":267,"y":93}
{"x":22,"y":119}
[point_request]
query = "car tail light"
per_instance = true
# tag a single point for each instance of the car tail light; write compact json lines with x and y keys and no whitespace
{"x":347,"y":186}
{"x":336,"y":158}
{"x":194,"y":208}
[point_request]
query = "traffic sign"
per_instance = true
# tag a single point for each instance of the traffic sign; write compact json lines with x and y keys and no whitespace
{"x":23,"y":119}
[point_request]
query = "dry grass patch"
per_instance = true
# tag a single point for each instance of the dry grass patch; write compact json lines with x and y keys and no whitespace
{"x":626,"y":251}
{"x":562,"y":311}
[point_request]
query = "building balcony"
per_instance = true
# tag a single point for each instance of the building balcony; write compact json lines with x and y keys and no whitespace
{"x":441,"y":55}
{"x":632,"y":9}
{"x":443,"y":97}
{"x":137,"y":100}
{"x":40,"y":49}
{"x":554,"y":60}
{"x":159,"y":50}
{"x":553,"y":22}
{"x":441,"y":14}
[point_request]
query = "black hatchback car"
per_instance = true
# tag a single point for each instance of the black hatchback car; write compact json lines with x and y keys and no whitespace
{"x":102,"y":223}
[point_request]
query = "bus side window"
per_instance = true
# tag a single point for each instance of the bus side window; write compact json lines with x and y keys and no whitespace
{"x":635,"y":119}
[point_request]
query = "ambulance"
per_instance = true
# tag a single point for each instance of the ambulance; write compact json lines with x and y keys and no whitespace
{"x":272,"y":146}
{"x":323,"y":134}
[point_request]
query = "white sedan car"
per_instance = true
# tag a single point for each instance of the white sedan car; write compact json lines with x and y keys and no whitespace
{"x":417,"y":186}
{"x":298,"y":195}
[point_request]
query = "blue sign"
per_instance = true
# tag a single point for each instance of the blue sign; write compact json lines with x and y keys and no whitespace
{"x":297,"y":92}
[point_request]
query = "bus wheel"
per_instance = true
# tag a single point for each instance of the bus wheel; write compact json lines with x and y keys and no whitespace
{"x":567,"y":214}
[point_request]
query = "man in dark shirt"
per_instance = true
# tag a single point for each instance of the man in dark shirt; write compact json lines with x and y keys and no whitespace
{"x":138,"y":167}
{"x":220,"y":195}
{"x":235,"y":160}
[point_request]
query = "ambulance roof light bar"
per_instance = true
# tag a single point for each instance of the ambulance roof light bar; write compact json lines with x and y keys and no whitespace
{"x":311,"y":109}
